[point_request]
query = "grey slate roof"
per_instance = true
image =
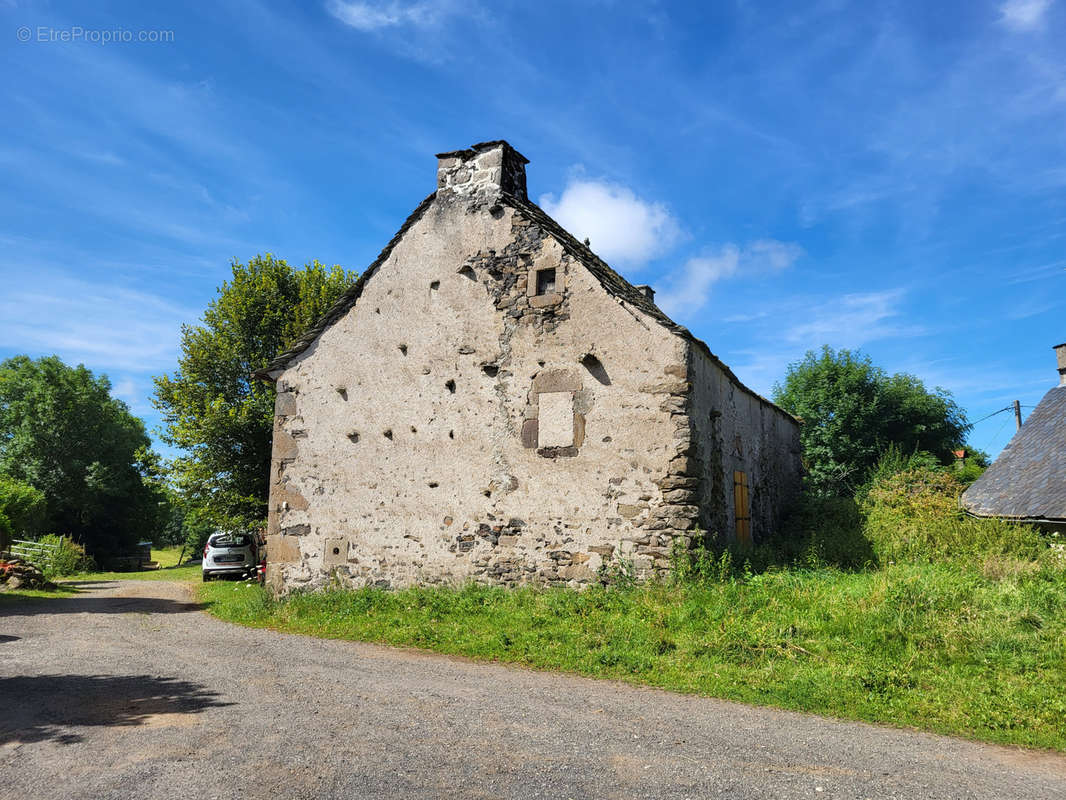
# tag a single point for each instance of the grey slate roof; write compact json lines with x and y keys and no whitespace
{"x":1028,"y":480}
{"x":615,"y":285}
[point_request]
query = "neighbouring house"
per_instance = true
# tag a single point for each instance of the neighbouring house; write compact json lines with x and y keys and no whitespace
{"x":1027,"y":482}
{"x":490,"y":401}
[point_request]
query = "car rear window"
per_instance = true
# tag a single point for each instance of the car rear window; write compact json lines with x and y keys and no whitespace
{"x":231,"y":540}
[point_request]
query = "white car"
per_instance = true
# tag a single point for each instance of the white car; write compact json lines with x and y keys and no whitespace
{"x":230,"y":554}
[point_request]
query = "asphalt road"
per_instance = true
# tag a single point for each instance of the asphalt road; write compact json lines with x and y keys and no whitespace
{"x":128,"y":691}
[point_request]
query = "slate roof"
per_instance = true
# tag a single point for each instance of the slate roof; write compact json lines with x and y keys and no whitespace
{"x":1028,"y":480}
{"x":615,"y":285}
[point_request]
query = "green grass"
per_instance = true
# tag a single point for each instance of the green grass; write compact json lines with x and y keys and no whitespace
{"x":932,"y":646}
{"x":17,"y":595}
{"x":189,"y":573}
{"x":168,"y":556}
{"x":169,"y":570}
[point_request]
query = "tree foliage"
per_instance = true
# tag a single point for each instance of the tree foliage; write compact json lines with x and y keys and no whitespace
{"x":212,"y":407}
{"x":22,"y":510}
{"x":63,"y":433}
{"x":852,"y":411}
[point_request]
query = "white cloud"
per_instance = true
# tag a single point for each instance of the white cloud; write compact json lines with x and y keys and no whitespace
{"x":622,"y":228}
{"x":689,"y":289}
{"x":105,"y":327}
{"x":367,"y":16}
{"x":1023,"y":15}
{"x":851,"y":320}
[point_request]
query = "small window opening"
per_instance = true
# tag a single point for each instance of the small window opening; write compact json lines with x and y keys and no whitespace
{"x":451,"y":434}
{"x":432,"y":484}
{"x":434,"y":285}
{"x":353,"y":437}
{"x":546,"y":281}
{"x":403,"y":349}
{"x":336,"y":551}
{"x":388,"y":434}
{"x":450,"y":386}
{"x":414,"y":429}
{"x":491,"y":370}
{"x":342,"y":392}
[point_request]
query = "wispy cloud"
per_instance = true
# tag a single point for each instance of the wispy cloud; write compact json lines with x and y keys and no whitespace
{"x":375,"y":16}
{"x":622,"y":228}
{"x":106,"y":327}
{"x":688,"y":290}
{"x":1024,"y":15}
{"x":852,"y":320}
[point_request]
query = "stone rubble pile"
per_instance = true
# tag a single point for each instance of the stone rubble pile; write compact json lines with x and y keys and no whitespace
{"x":17,"y":574}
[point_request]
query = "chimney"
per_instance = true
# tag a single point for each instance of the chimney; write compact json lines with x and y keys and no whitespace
{"x":485,"y":169}
{"x":647,"y":291}
{"x":1060,"y":353}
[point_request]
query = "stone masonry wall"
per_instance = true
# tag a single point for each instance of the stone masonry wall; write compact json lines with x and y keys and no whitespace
{"x":735,"y":430}
{"x":457,"y":425}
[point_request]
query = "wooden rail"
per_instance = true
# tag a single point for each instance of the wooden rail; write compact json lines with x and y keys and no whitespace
{"x":37,"y":553}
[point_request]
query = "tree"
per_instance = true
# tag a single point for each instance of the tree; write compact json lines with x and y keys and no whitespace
{"x":853,"y":411}
{"x":22,"y":510}
{"x":212,"y":407}
{"x":63,"y":433}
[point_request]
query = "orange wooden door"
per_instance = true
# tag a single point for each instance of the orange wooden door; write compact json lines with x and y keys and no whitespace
{"x":742,"y":508}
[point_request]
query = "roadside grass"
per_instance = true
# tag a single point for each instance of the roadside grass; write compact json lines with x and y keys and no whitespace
{"x":12,"y":596}
{"x":935,"y":646}
{"x":183,"y":573}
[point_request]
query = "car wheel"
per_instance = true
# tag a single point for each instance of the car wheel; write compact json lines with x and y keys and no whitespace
{"x":207,"y":577}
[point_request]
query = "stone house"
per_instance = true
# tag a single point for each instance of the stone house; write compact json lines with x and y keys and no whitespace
{"x":490,"y":401}
{"x":1027,"y":483}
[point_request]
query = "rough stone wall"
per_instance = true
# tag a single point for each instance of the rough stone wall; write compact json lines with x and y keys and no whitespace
{"x":408,"y":441}
{"x":736,"y":430}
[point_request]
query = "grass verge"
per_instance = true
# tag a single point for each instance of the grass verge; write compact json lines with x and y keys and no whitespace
{"x":930,"y":646}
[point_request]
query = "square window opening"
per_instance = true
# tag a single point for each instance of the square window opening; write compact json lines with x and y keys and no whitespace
{"x":546,"y":281}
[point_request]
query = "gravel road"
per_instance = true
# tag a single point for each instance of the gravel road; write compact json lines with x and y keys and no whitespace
{"x":128,"y":691}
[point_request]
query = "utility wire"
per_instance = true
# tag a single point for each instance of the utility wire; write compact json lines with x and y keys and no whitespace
{"x":997,"y":433}
{"x":1008,"y":408}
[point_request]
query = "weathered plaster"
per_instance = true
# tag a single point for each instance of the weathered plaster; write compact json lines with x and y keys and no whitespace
{"x":453,"y":426}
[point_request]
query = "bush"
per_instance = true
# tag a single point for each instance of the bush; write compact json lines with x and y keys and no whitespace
{"x":22,"y":508}
{"x":69,"y":558}
{"x":914,"y":515}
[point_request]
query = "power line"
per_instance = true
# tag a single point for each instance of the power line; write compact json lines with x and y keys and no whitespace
{"x":1005,"y":408}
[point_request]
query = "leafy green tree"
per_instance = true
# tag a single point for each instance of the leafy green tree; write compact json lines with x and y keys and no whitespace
{"x":22,"y":510}
{"x":212,"y":407}
{"x":63,"y":433}
{"x":853,"y":411}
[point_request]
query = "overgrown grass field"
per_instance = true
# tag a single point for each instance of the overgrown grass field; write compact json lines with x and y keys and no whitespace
{"x":891,"y":607}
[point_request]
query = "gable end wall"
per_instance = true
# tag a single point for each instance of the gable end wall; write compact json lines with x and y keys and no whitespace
{"x":407,"y":444}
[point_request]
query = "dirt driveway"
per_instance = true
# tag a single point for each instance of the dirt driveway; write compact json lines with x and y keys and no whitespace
{"x":129,"y":691}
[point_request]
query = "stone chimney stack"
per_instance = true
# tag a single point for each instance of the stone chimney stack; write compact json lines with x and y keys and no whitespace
{"x":647,"y":291}
{"x":1060,"y":353}
{"x":485,"y":169}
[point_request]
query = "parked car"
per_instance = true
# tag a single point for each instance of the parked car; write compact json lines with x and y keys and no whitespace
{"x":230,"y":554}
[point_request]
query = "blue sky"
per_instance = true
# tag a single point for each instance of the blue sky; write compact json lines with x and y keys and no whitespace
{"x":890,"y":177}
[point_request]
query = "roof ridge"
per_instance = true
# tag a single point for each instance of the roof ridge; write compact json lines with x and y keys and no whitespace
{"x":610,"y":279}
{"x":618,"y":286}
{"x":347,"y":299}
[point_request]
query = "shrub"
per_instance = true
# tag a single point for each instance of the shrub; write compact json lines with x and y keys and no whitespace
{"x":22,"y":508}
{"x":914,"y":515}
{"x":69,"y":557}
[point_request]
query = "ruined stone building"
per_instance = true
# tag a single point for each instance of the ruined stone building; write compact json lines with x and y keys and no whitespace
{"x":490,"y":401}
